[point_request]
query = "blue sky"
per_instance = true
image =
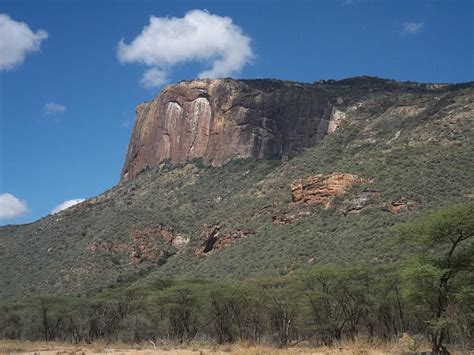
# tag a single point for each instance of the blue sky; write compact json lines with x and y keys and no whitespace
{"x":67,"y":110}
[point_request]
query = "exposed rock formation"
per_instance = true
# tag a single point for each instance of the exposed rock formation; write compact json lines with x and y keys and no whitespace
{"x":399,"y":205}
{"x":288,"y":217}
{"x":363,"y":199}
{"x":152,"y":244}
{"x":225,"y":119}
{"x":221,"y":120}
{"x":322,"y":189}
{"x":160,"y":232}
{"x":213,"y":240}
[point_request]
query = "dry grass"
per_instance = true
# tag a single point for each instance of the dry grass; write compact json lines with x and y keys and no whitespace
{"x":196,"y":348}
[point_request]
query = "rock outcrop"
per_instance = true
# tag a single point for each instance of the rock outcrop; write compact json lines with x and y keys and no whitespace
{"x":221,"y":120}
{"x":224,"y":119}
{"x":152,"y":244}
{"x":322,"y":189}
{"x":213,"y":240}
{"x":160,"y":232}
{"x":288,"y":217}
{"x":363,"y":199}
{"x":399,"y":205}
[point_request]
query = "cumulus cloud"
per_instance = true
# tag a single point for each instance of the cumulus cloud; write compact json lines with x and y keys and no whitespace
{"x":52,"y":108}
{"x":66,"y":204}
{"x":153,"y":77}
{"x":16,"y":41}
{"x":11,"y":206}
{"x":412,"y":27}
{"x":198,"y":36}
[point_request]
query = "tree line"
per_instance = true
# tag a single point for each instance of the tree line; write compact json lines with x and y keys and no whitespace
{"x":431,"y":296}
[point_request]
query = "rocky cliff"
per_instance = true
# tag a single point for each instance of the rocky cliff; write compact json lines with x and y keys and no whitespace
{"x":225,"y":119}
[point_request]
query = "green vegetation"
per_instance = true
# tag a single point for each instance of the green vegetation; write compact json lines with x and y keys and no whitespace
{"x":321,"y":306}
{"x":440,"y":280}
{"x":430,"y":295}
{"x":415,"y":144}
{"x":109,"y":269}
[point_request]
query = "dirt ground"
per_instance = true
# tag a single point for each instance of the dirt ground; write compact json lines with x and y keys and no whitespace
{"x":54,"y":348}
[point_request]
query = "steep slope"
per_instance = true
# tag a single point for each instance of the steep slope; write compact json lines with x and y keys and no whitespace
{"x":222,"y":120}
{"x":225,"y":119}
{"x":393,"y":151}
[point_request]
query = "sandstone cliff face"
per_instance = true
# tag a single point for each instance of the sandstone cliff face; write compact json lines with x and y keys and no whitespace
{"x":322,"y":189}
{"x":224,"y":119}
{"x":221,"y":120}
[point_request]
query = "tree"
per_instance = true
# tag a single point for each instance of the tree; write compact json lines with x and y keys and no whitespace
{"x":249,"y":312}
{"x":339,"y":301}
{"x":180,"y":306}
{"x":282,"y":308}
{"x":444,"y":265}
{"x":222,"y":300}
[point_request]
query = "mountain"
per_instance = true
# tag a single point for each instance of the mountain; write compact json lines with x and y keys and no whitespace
{"x":239,"y":178}
{"x":223,"y":120}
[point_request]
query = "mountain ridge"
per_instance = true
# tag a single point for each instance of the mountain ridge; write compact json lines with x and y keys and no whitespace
{"x":219,"y":120}
{"x":399,"y":153}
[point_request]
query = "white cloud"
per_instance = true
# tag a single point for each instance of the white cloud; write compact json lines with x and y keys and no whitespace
{"x":16,"y":41}
{"x":66,"y":204}
{"x":412,"y":27}
{"x":11,"y":206}
{"x":198,"y":36}
{"x":153,"y":77}
{"x":52,"y":108}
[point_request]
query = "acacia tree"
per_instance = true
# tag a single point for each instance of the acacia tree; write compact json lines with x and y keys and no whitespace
{"x":249,"y":312}
{"x":442,"y":268}
{"x":326,"y":313}
{"x":388,"y":318}
{"x":221,"y":308}
{"x":181,"y":309}
{"x":339,"y":302}
{"x":283,"y":306}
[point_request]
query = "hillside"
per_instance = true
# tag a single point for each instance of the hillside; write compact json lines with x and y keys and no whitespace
{"x":389,"y":152}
